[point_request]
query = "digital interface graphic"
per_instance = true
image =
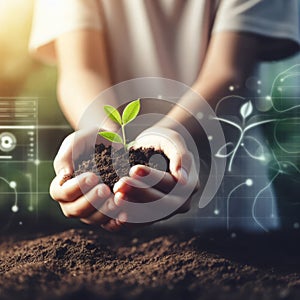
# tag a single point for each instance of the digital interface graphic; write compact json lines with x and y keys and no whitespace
{"x":22,"y":185}
{"x":261,"y":152}
{"x":19,"y":151}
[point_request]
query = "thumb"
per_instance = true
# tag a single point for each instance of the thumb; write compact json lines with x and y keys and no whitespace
{"x":63,"y":162}
{"x":78,"y":144}
{"x":180,"y":165}
{"x":174,"y":148}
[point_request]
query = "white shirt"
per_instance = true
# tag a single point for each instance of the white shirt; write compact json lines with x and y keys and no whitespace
{"x":165,"y":38}
{"x":169,"y":38}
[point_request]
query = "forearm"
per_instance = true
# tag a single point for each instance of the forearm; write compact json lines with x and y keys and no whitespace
{"x":206,"y":91}
{"x":77,"y":91}
{"x":83,"y":75}
{"x":221,"y":69}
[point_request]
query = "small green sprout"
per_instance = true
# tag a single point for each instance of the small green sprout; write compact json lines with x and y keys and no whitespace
{"x":130,"y":112}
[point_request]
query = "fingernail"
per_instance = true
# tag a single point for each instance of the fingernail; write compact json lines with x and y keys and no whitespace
{"x":183,"y":176}
{"x":103,"y":191}
{"x":119,"y":198}
{"x":64,"y":175}
{"x":64,"y":171}
{"x":139,"y":171}
{"x":118,"y":185}
{"x":91,"y":180}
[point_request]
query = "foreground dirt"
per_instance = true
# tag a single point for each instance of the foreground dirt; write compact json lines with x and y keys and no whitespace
{"x":85,"y":264}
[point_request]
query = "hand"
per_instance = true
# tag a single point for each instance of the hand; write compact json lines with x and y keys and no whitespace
{"x":84,"y":196}
{"x":146,"y":185}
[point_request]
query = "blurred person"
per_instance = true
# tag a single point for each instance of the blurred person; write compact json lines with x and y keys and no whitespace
{"x":206,"y":44}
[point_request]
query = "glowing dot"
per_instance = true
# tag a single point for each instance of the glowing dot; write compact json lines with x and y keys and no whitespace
{"x":242,"y":144}
{"x":37,"y":162}
{"x":258,"y":82}
{"x":210,"y":137}
{"x":31,"y":145}
{"x":31,"y":139}
{"x":199,"y":115}
{"x":20,"y":223}
{"x":267,"y":156}
{"x":284,"y":165}
{"x":30,"y":133}
{"x":279,"y":89}
{"x":159,"y":97}
{"x":216,"y":212}
{"x":264,"y":104}
{"x":296,"y":225}
{"x":30,"y":208}
{"x":13,"y":184}
{"x":233,"y":235}
{"x":268,"y":98}
{"x":15,"y":208}
{"x":282,"y":80}
{"x":249,"y":182}
{"x":231,"y":88}
{"x":258,"y":91}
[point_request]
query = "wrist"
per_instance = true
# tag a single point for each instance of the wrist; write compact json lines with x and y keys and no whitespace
{"x":190,"y":130}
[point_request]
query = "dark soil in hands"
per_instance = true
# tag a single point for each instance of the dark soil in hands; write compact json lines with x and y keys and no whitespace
{"x":86,"y":264}
{"x":113,"y":164}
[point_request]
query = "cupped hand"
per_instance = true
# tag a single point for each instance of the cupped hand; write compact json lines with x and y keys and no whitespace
{"x":146,"y":185}
{"x":83,"y":196}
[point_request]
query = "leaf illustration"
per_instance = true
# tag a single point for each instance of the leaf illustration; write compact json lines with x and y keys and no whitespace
{"x":290,"y":168}
{"x":254,"y":148}
{"x":246,"y":109}
{"x":113,"y":114}
{"x":222,"y":152}
{"x":131,"y":111}
{"x":111,"y":136}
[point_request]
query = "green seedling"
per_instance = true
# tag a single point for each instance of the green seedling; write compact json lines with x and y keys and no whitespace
{"x":130,"y":112}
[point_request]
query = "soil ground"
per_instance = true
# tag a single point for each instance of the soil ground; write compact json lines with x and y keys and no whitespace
{"x":88,"y":263}
{"x":112,"y":164}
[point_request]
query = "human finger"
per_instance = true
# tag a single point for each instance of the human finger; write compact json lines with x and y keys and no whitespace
{"x":76,"y":144}
{"x":108,"y":210}
{"x":87,"y":204}
{"x":135,"y":191}
{"x":72,"y":188}
{"x":114,"y":225}
{"x":160,"y":180}
{"x":174,"y":147}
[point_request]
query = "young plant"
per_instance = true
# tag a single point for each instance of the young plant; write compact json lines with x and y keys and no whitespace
{"x":130,"y":112}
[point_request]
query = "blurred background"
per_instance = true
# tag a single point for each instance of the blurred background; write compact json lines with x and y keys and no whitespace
{"x":26,"y":87}
{"x":30,"y":87}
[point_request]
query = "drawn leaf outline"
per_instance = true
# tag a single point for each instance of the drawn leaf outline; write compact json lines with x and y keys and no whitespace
{"x":222,"y":152}
{"x":246,"y":109}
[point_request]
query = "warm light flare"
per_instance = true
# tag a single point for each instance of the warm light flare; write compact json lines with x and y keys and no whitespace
{"x":15,"y":23}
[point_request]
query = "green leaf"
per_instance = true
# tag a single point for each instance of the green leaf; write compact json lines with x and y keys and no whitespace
{"x":113,"y":114}
{"x":131,"y":111}
{"x":111,"y":136}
